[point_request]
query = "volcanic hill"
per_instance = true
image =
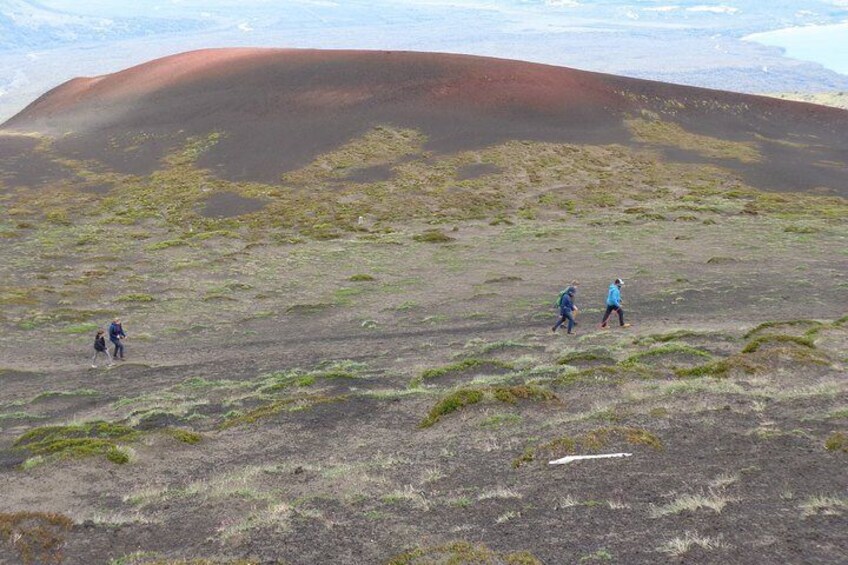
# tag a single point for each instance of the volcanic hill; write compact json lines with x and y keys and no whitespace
{"x":277,"y":109}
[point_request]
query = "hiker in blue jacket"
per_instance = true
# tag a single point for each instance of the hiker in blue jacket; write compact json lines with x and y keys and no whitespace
{"x":614,"y":304}
{"x":116,"y":336}
{"x":567,"y":308}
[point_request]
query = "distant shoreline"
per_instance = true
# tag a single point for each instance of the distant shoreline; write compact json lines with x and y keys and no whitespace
{"x":826,"y":45}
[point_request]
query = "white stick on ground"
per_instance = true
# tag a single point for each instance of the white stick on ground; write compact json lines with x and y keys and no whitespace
{"x":571,"y":458}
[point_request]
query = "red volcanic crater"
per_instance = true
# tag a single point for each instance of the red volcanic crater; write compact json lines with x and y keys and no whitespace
{"x":280,"y":108}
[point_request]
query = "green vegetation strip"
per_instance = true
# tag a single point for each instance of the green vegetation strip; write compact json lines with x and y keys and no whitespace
{"x":285,"y":405}
{"x":591,"y":441}
{"x":463,"y":397}
{"x":720,"y":369}
{"x":781,"y":324}
{"x":665,"y":350}
{"x":592,"y":355}
{"x":837,"y":441}
{"x":462,"y":552}
{"x":78,"y":440}
{"x":757,"y":343}
{"x":460,"y":367}
{"x":87,"y":440}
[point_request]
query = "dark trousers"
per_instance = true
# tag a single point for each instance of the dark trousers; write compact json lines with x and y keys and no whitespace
{"x":119,"y":348}
{"x":610,"y":310}
{"x":565,"y":316}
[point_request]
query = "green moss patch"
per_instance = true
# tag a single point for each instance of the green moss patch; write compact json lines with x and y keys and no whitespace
{"x":837,"y":441}
{"x":781,"y":324}
{"x":777,"y":339}
{"x":185,"y":436}
{"x":666,"y":337}
{"x":292,"y":404}
{"x":451,"y":403}
{"x":591,"y":356}
{"x":78,"y":440}
{"x":136,"y":297}
{"x":462,"y":366}
{"x":591,"y":441}
{"x":464,"y":397}
{"x":462,"y":553}
{"x":664,"y":351}
{"x":433,"y":236}
{"x":670,"y":134}
{"x":720,"y":369}
{"x":513,"y":394}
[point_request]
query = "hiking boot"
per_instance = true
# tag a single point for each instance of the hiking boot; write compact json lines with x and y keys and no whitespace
{"x":94,"y":366}
{"x":625,"y":325}
{"x":604,"y":327}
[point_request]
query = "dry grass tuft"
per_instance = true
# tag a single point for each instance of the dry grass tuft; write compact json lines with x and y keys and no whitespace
{"x":679,"y":546}
{"x":691,"y":503}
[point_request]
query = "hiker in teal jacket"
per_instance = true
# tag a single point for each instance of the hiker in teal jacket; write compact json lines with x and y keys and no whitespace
{"x":614,"y":304}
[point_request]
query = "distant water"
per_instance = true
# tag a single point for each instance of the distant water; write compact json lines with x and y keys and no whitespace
{"x":823,"y":44}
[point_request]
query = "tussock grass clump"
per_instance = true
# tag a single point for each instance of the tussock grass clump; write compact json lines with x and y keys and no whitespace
{"x":79,"y":440}
{"x":681,"y":545}
{"x":185,"y":436}
{"x":720,"y":369}
{"x":607,"y":374}
{"x":781,"y":324}
{"x":64,"y":393}
{"x":589,"y":356}
{"x":467,"y":396}
{"x":721,"y":260}
{"x":837,"y":441}
{"x":771,"y":339}
{"x":433,"y":236}
{"x":282,"y":380}
{"x":460,"y":552}
{"x":665,"y":337}
{"x":513,"y":394}
{"x":460,"y":367}
{"x":287,"y":404}
{"x":186,"y":562}
{"x":118,"y":456}
{"x":37,"y":537}
{"x":665,"y":350}
{"x":19,"y":415}
{"x":691,"y":503}
{"x":503,"y":279}
{"x":451,"y":403}
{"x":592,"y":441}
{"x":824,"y":505}
{"x":800,"y":229}
{"x":136,"y":297}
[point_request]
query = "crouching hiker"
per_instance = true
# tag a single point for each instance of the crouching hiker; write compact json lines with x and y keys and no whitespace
{"x":567,"y":309}
{"x":100,"y":347}
{"x":614,"y":304}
